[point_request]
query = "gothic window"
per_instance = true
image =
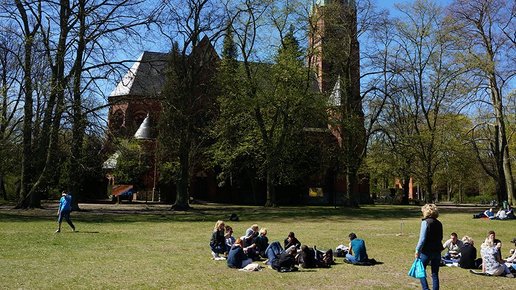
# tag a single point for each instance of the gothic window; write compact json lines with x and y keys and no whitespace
{"x":117,"y":120}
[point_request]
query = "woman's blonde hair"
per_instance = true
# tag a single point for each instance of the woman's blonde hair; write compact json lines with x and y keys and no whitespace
{"x":217,"y":225}
{"x":430,"y":210}
{"x":263,"y":230}
{"x":468,"y":239}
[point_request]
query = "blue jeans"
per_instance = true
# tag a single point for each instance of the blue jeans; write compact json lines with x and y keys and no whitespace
{"x":434,"y":259}
{"x":66,"y":215}
{"x":351,"y":258}
{"x":273,"y":251}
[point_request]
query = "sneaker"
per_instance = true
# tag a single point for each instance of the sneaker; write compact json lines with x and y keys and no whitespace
{"x":214,"y":255}
{"x":219,"y":259}
{"x":57,"y":231}
{"x":510,"y":275}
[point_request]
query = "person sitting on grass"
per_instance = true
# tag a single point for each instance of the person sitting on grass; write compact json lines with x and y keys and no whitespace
{"x":261,"y":242}
{"x":237,"y":257}
{"x":511,"y":260}
{"x":357,"y":250}
{"x":251,"y":232}
{"x":492,"y":264}
{"x":291,"y":240}
{"x":468,"y":254}
{"x":230,"y":240}
{"x":218,"y":241}
{"x":453,"y":246}
{"x":64,"y":210}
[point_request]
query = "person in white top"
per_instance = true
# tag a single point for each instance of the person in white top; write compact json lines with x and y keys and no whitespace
{"x":453,"y":246}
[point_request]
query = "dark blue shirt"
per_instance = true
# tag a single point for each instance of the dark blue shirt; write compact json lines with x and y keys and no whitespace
{"x":236,"y":256}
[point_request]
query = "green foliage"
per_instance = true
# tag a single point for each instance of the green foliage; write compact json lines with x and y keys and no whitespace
{"x":261,"y":120}
{"x":133,"y":162}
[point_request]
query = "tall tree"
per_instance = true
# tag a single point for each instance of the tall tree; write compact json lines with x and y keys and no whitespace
{"x":188,"y":96}
{"x":429,"y":79}
{"x":73,"y":42}
{"x":29,"y":27}
{"x":10,"y":105}
{"x":487,"y":30}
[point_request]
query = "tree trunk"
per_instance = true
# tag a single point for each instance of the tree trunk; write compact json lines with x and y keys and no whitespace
{"x":429,"y":198}
{"x":3,"y":193}
{"x":27,"y":158}
{"x":406,"y":189}
{"x":182,"y":197}
{"x":271,"y":194}
{"x":75,"y":181}
{"x":351,"y":184}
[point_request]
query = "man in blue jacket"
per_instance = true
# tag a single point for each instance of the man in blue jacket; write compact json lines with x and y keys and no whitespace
{"x":65,"y":207}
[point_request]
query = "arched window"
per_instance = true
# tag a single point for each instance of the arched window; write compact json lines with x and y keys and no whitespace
{"x":117,"y":120}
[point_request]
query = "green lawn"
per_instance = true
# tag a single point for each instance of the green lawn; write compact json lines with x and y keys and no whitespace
{"x":146,"y":246}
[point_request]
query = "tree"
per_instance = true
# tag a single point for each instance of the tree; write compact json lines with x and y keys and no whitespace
{"x":430,"y":82}
{"x":10,"y":106}
{"x":69,"y":42}
{"x":188,"y":105}
{"x":275,"y":102}
{"x":486,"y":29}
{"x":30,"y":27}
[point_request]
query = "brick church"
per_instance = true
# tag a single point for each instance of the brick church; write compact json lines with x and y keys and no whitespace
{"x":137,"y":98}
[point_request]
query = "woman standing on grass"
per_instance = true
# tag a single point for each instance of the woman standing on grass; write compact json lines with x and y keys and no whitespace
{"x":430,"y":244}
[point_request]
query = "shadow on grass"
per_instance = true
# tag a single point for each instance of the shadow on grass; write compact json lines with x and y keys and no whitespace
{"x":205,"y":213}
{"x":214,"y":212}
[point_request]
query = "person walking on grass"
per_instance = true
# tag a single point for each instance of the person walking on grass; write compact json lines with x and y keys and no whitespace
{"x":65,"y":207}
{"x":430,"y":243}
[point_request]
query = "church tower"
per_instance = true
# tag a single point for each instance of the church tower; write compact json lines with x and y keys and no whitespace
{"x":334,"y":57}
{"x":333,"y":47}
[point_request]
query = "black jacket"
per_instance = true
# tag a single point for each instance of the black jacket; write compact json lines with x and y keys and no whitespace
{"x":434,"y":236}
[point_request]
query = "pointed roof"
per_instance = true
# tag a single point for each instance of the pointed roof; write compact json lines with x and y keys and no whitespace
{"x":335,"y":99}
{"x":144,"y":131}
{"x":145,"y":78}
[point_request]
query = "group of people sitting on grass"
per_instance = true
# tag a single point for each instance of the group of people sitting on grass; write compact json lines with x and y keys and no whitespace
{"x":502,"y":214}
{"x":254,"y":246}
{"x":463,"y":253}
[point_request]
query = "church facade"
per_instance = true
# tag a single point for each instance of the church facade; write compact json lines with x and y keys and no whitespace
{"x":137,"y":96}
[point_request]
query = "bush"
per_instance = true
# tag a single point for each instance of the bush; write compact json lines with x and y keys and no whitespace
{"x":479,"y":199}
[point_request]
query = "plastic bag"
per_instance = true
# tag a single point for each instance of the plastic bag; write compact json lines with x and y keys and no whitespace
{"x":417,"y":270}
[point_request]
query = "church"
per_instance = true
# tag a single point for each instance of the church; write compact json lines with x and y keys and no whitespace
{"x":135,"y":108}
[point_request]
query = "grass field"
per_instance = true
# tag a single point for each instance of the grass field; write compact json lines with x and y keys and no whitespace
{"x":144,"y":246}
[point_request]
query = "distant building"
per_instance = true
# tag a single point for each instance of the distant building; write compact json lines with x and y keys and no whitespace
{"x":137,"y":96}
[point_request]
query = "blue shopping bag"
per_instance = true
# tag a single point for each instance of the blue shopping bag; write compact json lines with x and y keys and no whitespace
{"x":417,"y":270}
